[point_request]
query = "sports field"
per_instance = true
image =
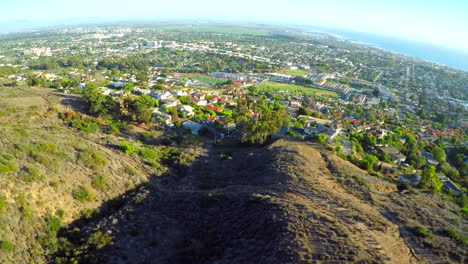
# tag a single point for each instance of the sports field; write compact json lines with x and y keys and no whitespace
{"x":275,"y":86}
{"x":296,"y":72}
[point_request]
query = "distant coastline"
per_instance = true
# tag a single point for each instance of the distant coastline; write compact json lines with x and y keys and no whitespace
{"x":437,"y":54}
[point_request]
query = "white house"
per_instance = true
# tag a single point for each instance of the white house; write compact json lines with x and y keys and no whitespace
{"x":186,"y":109}
{"x":202,"y":102}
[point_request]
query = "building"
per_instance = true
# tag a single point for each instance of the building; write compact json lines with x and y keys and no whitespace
{"x":393,"y":153}
{"x":186,"y":109}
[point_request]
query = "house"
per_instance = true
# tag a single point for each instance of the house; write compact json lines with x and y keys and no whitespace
{"x":179,"y":92}
{"x":449,"y":186}
{"x":363,"y":128}
{"x":393,"y":153}
{"x":164,"y":117}
{"x":186,"y":109}
{"x":412,"y":179}
{"x":295,"y":104}
{"x":387,"y":168}
{"x":202,"y":102}
{"x":194,"y":126}
{"x":171,"y":103}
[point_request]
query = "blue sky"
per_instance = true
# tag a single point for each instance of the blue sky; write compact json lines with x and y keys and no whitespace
{"x":442,"y":22}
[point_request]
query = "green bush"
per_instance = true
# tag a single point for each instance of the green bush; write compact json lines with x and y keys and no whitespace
{"x":31,"y":174}
{"x":2,"y":204}
{"x":60,"y":213}
{"x":99,"y":182}
{"x":45,"y":153}
{"x":131,"y":170}
{"x":87,"y":126}
{"x":454,"y":235}
{"x":26,"y":212}
{"x":422,"y":231}
{"x":93,"y":159}
{"x":7,"y":166}
{"x":89,"y":213}
{"x":147,"y":153}
{"x":82,"y":194}
{"x":6,"y":246}
{"x":127,"y":147}
{"x":113,"y":129}
{"x":53,"y":224}
{"x":153,"y":164}
{"x":99,"y":240}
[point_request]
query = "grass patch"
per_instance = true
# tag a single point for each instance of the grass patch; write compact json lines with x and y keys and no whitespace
{"x":82,"y":194}
{"x":296,"y":72}
{"x":276,"y":86}
{"x":89,"y":213}
{"x":99,"y":182}
{"x":6,"y":246}
{"x":130,"y":170}
{"x":7,"y":165}
{"x":422,"y":231}
{"x":128,"y":147}
{"x":147,"y":153}
{"x":93,"y":159}
{"x":87,"y":126}
{"x":454,"y":235}
{"x":30,"y":174}
{"x":100,"y":240}
{"x":2,"y":204}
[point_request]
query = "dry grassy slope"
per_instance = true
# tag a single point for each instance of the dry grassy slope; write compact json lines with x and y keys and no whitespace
{"x":285,"y":203}
{"x":25,"y":119}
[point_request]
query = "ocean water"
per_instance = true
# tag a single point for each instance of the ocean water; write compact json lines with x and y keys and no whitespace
{"x":441,"y":55}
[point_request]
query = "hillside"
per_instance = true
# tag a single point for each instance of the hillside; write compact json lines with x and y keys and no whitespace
{"x":74,"y":197}
{"x":285,"y":203}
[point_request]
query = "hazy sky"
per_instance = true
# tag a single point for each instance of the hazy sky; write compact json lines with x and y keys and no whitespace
{"x":443,"y":22}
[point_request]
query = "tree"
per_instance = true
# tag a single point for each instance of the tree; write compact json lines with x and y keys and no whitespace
{"x":304,"y":111}
{"x":439,"y":154}
{"x":95,"y":98}
{"x":256,"y":128}
{"x":128,"y":87}
{"x":174,"y":115}
{"x":140,"y":109}
{"x":430,"y":180}
{"x":319,"y":138}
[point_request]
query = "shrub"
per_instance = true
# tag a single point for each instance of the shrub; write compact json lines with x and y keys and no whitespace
{"x":93,"y":159}
{"x":99,"y":182}
{"x":53,"y":224}
{"x":131,"y":170}
{"x":454,"y":235}
{"x":43,"y":152}
{"x":153,"y":164}
{"x":422,"y":231}
{"x":7,"y":166}
{"x":147,"y":153}
{"x":6,"y":246}
{"x":89,"y":213}
{"x":87,"y":126}
{"x":60,"y":213}
{"x":99,"y":239}
{"x":113,"y":129}
{"x":82,"y":194}
{"x":26,"y":212}
{"x":31,"y":174}
{"x":127,"y":147}
{"x":2,"y":204}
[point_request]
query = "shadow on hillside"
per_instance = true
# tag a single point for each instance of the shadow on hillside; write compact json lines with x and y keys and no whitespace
{"x":215,"y":210}
{"x":74,"y":102}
